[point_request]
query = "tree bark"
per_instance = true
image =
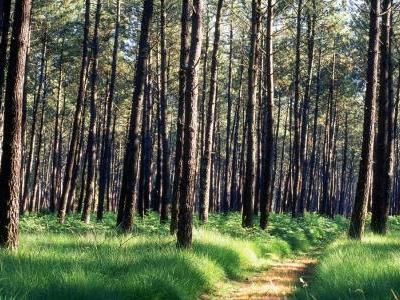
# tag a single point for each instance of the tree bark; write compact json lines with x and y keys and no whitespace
{"x":105,"y":162}
{"x":249,"y":179}
{"x":147,"y":147}
{"x":205,"y":166}
{"x":36,"y":167}
{"x":38,"y":97}
{"x":5,"y":27}
{"x":165,"y":198}
{"x":296,"y":114}
{"x":126,"y":200}
{"x":357,"y":223}
{"x":268,"y":122}
{"x":183,"y":61}
{"x":77,"y":119}
{"x":311,"y":21}
{"x":92,"y":138}
{"x":228,"y":146}
{"x":383,"y":168}
{"x":187,"y":181}
{"x":11,"y":156}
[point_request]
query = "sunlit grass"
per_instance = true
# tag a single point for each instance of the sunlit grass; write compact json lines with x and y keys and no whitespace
{"x":369,"y":269}
{"x":76,"y":261}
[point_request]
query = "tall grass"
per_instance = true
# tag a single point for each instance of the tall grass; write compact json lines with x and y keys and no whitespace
{"x":369,"y":269}
{"x":77,"y":261}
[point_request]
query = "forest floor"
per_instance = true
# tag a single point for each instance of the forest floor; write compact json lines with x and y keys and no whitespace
{"x":94,"y":261}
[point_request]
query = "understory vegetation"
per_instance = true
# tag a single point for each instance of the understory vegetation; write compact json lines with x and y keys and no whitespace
{"x":78,"y":261}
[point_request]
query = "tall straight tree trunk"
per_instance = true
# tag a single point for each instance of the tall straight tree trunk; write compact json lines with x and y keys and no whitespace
{"x":311,"y":21}
{"x":80,"y":157}
{"x":383,"y":169}
{"x":202,"y":104}
{"x":11,"y":156}
{"x":249,"y":178}
{"x":62,"y":209}
{"x":126,"y":201}
{"x":268,"y":122}
{"x":188,"y":176}
{"x":296,"y":114}
{"x":183,"y":61}
{"x":314,"y":135}
{"x":227,"y":171}
{"x":92,"y":138}
{"x":105,"y":161}
{"x":242,"y":164}
{"x":329,"y":144}
{"x":5,"y":27}
{"x":165,"y":198}
{"x":83,"y":184}
{"x":24,"y":113}
{"x":235,"y":140}
{"x":39,"y":144}
{"x":157,"y":190}
{"x":205,"y":166}
{"x":275,"y":165}
{"x":147,"y":147}
{"x":56,"y":144}
{"x":259,"y":136}
{"x":279,"y":205}
{"x":38,"y":97}
{"x":361,"y":199}
{"x":343,"y":181}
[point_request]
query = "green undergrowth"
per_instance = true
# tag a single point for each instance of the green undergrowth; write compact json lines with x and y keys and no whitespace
{"x":350,"y":269}
{"x":76,"y":261}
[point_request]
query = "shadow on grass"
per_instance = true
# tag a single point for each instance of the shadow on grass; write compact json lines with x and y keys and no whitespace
{"x":138,"y":270}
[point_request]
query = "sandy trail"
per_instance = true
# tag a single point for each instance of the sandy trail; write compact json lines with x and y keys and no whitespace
{"x":278,"y":282}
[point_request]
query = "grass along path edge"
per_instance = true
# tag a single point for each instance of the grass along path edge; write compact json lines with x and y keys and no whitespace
{"x":94,"y":261}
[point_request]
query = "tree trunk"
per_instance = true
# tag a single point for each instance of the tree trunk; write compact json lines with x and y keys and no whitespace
{"x":92,"y":138}
{"x":312,"y":163}
{"x":147,"y":147}
{"x":181,"y":111}
{"x":105,"y":162}
{"x":235,"y":168}
{"x":296,"y":114}
{"x":126,"y":201}
{"x":205,"y":166}
{"x":360,"y":202}
{"x":249,"y":179}
{"x":383,"y":169}
{"x":11,"y":156}
{"x":5,"y":27}
{"x":311,"y":21}
{"x":228,"y":146}
{"x":38,"y":97}
{"x":268,"y":122}
{"x":343,"y":181}
{"x":165,"y":198}
{"x":56,"y":144}
{"x":77,"y":119}
{"x":187,"y":181}
{"x":39,"y":145}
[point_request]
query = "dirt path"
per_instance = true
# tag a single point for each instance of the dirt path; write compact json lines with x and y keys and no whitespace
{"x":278,"y":282}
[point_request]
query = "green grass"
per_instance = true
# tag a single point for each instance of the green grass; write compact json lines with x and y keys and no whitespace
{"x":369,"y":269}
{"x":77,"y":261}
